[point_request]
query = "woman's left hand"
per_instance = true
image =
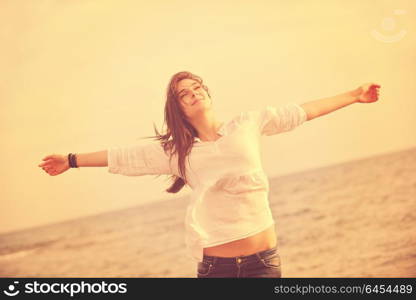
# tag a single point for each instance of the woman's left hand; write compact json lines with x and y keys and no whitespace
{"x":367,"y":93}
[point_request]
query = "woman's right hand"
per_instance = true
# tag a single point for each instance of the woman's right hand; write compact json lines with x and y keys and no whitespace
{"x":55,"y":164}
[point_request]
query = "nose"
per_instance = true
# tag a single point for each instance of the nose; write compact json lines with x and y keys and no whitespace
{"x":195,"y":93}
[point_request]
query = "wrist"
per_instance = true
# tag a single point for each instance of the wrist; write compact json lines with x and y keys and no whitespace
{"x":72,"y":160}
{"x":67,"y":162}
{"x":355,"y":94}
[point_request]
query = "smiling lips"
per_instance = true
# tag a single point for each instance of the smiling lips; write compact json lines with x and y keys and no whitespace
{"x":198,"y":99}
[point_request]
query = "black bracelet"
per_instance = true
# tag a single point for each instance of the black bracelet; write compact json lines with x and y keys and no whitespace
{"x":74,"y":156}
{"x":71,"y":164}
{"x":69,"y":160}
{"x":72,"y":160}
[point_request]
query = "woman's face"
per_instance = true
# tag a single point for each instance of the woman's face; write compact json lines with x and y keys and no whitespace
{"x":192,"y":97}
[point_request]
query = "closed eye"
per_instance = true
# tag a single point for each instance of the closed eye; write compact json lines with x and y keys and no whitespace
{"x":184,"y":94}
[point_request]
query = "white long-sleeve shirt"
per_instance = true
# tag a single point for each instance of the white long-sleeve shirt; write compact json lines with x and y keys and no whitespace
{"x":230,"y":190}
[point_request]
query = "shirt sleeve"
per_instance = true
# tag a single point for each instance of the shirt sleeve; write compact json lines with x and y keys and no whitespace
{"x":273,"y":120}
{"x":137,"y":160}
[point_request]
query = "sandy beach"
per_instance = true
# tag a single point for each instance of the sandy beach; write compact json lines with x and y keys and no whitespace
{"x":354,"y":219}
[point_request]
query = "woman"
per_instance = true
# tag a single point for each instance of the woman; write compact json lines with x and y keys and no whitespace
{"x":229,"y":226}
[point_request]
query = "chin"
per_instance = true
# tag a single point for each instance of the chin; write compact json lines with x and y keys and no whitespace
{"x":201,"y":109}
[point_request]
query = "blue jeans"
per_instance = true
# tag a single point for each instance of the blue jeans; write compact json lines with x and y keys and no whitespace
{"x":264,"y":264}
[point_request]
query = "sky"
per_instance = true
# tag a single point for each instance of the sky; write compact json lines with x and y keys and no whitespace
{"x":84,"y":76}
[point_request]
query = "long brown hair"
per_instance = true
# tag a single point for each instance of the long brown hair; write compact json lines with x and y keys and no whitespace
{"x":179,"y":136}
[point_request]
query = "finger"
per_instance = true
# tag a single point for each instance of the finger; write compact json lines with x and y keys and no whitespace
{"x":46,"y":163}
{"x":49,"y":157}
{"x":374,"y":92}
{"x":47,"y":168}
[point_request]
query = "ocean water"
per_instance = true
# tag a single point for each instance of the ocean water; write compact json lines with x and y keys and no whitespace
{"x":354,"y":219}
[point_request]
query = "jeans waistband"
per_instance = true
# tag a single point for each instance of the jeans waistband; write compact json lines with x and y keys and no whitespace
{"x":239,"y":259}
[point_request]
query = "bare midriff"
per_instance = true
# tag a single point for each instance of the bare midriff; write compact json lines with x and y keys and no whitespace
{"x":259,"y":242}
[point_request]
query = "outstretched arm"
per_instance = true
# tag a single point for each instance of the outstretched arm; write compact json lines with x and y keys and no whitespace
{"x":366,"y":93}
{"x":56,"y":164}
{"x":132,"y":160}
